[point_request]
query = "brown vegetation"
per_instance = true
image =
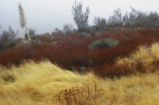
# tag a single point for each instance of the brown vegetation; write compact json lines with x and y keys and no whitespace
{"x":72,"y":51}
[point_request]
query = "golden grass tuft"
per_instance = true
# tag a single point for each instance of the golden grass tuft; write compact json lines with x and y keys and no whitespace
{"x":146,"y":57}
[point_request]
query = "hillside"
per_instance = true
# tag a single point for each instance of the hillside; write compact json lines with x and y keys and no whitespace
{"x":44,"y":83}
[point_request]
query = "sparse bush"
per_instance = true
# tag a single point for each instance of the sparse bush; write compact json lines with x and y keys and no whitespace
{"x":100,"y":24}
{"x":68,"y":29}
{"x":8,"y":39}
{"x":116,"y":19}
{"x":57,"y":31}
{"x":80,"y":17}
{"x":103,"y":43}
{"x":134,"y":18}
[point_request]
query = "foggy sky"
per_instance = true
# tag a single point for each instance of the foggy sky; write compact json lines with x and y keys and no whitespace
{"x":45,"y":15}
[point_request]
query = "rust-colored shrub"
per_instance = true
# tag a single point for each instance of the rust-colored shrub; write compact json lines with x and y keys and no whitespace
{"x":72,"y":51}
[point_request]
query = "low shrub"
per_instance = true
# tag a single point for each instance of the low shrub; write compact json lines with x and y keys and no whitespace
{"x":103,"y":43}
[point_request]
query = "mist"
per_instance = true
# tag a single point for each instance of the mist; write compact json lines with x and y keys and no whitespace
{"x":45,"y":15}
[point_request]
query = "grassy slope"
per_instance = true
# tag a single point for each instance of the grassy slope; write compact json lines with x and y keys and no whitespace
{"x":37,"y":84}
{"x":45,"y":84}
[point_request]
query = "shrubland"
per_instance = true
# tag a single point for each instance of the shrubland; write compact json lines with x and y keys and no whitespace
{"x":72,"y":51}
{"x":144,"y":60}
{"x":114,"y":62}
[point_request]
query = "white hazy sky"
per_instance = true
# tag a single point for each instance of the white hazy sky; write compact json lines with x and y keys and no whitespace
{"x":45,"y":15}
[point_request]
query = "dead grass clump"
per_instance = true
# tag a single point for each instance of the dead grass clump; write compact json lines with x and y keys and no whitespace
{"x":88,"y":94}
{"x":145,"y":59}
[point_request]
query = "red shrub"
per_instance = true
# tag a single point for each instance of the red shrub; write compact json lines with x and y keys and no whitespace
{"x":113,"y":70}
{"x":72,"y":51}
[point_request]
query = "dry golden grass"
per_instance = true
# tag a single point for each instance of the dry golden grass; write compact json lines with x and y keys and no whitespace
{"x":147,"y":57}
{"x":35,"y":84}
{"x":47,"y":84}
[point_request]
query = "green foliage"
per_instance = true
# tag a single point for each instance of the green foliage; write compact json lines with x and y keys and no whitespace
{"x":103,"y":43}
{"x":8,"y":39}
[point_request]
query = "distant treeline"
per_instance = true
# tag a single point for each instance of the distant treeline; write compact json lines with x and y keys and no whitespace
{"x":132,"y":19}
